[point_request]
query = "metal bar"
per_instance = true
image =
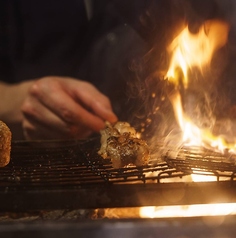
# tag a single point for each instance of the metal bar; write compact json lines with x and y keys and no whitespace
{"x":119,"y":195}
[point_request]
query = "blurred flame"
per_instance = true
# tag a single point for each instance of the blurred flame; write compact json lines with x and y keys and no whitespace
{"x":216,"y":209}
{"x":203,"y":178}
{"x":190,"y":50}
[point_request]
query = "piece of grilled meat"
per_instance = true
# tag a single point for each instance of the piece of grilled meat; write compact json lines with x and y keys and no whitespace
{"x":5,"y":144}
{"x":121,"y":143}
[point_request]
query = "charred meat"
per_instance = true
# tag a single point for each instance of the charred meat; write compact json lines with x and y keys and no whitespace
{"x":122,"y":144}
{"x":5,"y":144}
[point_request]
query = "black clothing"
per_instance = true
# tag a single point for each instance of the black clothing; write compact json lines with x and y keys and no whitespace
{"x":40,"y":38}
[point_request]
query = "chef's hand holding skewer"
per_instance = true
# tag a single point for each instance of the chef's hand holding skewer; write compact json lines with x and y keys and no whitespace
{"x":59,"y":108}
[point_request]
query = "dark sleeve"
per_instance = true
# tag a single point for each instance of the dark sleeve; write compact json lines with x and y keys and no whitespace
{"x":117,"y":60}
{"x":114,"y":46}
{"x":40,"y":38}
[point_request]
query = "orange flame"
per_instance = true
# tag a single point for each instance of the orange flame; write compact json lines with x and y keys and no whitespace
{"x":195,"y":50}
{"x":190,"y":50}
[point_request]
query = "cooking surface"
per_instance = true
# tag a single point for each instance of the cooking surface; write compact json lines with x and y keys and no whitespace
{"x":70,"y":175}
{"x":58,"y":164}
{"x":53,"y":188}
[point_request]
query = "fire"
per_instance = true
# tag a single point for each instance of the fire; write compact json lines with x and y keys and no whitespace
{"x":197,"y":210}
{"x":189,"y":50}
{"x":195,"y":50}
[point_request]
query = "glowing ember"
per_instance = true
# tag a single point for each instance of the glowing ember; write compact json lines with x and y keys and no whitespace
{"x":203,"y":178}
{"x":219,"y":209}
{"x":195,"y":50}
{"x":196,"y":210}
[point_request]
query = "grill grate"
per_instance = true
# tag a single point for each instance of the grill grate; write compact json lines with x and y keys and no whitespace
{"x":53,"y":175}
{"x":69,"y":164}
{"x":36,"y":165}
{"x":199,"y":160}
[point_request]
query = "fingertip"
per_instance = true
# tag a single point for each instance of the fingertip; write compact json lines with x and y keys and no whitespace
{"x":113,"y":118}
{"x":110,"y":116}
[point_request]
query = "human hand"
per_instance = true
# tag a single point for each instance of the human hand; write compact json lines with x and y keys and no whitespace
{"x":63,"y":108}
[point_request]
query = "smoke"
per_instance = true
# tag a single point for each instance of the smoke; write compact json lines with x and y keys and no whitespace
{"x":206,"y":101}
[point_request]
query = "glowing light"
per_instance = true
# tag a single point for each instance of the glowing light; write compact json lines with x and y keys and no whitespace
{"x":190,"y":50}
{"x":203,"y":178}
{"x":195,"y":50}
{"x":198,"y":210}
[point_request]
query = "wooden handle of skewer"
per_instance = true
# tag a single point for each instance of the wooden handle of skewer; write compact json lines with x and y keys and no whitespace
{"x":5,"y":144}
